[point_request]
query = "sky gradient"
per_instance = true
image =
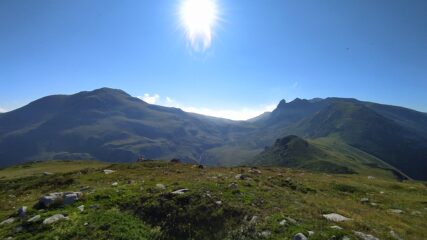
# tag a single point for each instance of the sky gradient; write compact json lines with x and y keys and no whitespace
{"x":262,"y":51}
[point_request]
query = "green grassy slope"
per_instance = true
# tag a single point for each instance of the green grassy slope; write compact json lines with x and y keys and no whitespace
{"x":137,"y":209}
{"x":324,"y":155}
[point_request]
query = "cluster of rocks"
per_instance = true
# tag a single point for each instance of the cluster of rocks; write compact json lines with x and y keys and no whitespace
{"x":61,"y":198}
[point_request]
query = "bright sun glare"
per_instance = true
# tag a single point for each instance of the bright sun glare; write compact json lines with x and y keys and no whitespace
{"x":198,"y":17}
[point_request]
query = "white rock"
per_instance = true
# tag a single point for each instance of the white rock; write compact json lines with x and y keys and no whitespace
{"x":115,"y":184}
{"x":54,"y":218}
{"x":364,"y":200}
{"x":108,"y":171}
{"x":47,"y":173}
{"x":34,"y":219}
{"x":336,"y":227}
{"x":81,"y":208}
{"x":180,"y":191}
{"x":253,"y":220}
{"x":394,"y":235}
{"x":371,"y":177}
{"x":218,"y":202}
{"x":365,"y":236}
{"x":160,"y":186}
{"x":396,"y":211}
{"x":283,"y":222}
{"x":310,"y":233}
{"x":336,"y":217}
{"x":7,"y":221}
{"x":266,"y":234}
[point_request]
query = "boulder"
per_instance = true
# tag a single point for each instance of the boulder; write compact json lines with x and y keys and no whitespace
{"x":70,"y":198}
{"x":55,"y":218}
{"x":299,"y":236}
{"x":335,"y":217}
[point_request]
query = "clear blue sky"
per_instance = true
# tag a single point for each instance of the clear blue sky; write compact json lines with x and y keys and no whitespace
{"x":262,"y":51}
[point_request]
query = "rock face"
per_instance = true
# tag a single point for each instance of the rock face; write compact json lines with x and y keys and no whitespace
{"x":335,"y":217}
{"x":299,"y":236}
{"x":55,"y":218}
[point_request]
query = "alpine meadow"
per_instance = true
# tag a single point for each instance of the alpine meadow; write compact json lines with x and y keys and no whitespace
{"x":213,"y":120}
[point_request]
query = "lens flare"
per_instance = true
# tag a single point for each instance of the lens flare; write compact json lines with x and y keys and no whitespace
{"x":198,"y":17}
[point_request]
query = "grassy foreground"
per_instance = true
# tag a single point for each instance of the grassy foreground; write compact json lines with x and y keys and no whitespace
{"x":135,"y":202}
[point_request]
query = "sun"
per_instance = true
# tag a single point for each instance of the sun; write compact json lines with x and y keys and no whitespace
{"x":198,"y":17}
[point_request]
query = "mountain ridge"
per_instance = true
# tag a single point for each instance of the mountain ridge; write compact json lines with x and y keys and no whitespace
{"x":111,"y":125}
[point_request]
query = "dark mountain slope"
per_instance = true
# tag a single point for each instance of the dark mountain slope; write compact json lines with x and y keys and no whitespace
{"x":106,"y":124}
{"x":365,"y":129}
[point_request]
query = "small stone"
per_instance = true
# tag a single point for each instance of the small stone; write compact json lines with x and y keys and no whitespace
{"x":180,"y":191}
{"x":233,"y":186}
{"x":365,"y":236}
{"x":336,"y":227}
{"x":299,"y":236}
{"x":364,"y":200}
{"x":240,"y":177}
{"x":266,"y":234}
{"x":371,"y":177}
{"x":310,"y":233}
{"x":396,"y":211}
{"x":336,"y":217}
{"x":85,"y":224}
{"x":253,"y":220}
{"x":291,"y":220}
{"x":416,"y":213}
{"x":373,"y":204}
{"x":7,"y":221}
{"x":81,"y":208}
{"x":34,"y":219}
{"x":22,"y":211}
{"x":115,"y":184}
{"x":283,"y":222}
{"x":201,"y":167}
{"x":255,"y":171}
{"x":47,"y":173}
{"x":19,"y":229}
{"x":54,"y":218}
{"x":160,"y":186}
{"x":108,"y":171}
{"x":394,"y":235}
{"x":218,"y":203}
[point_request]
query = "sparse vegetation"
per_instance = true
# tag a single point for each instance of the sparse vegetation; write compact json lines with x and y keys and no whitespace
{"x":218,"y":205}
